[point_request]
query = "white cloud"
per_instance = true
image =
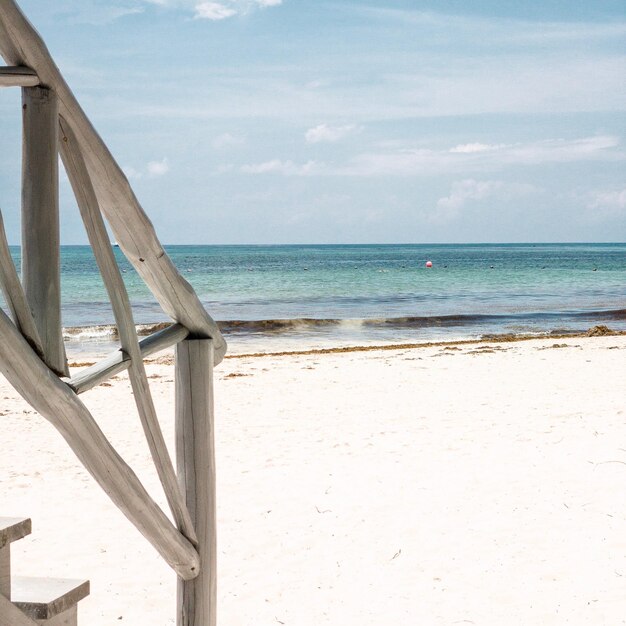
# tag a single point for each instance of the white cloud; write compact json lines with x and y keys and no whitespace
{"x":462,"y":191}
{"x":470,"y":192}
{"x":462,"y":159}
{"x":325,"y":133}
{"x":497,"y":30}
{"x":485,"y":157}
{"x":276,"y":166}
{"x":89,"y":12}
{"x":316,"y":84}
{"x":564,"y":150}
{"x":152,"y":169}
{"x":131,"y":172}
{"x":468,"y":148}
{"x":213,"y":11}
{"x":226,"y":139}
{"x":158,"y":168}
{"x":609,"y":201}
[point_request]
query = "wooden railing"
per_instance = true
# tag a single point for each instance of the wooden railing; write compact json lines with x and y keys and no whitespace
{"x":32,"y":355}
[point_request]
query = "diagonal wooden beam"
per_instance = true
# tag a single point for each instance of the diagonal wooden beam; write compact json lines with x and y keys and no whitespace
{"x":20,"y":44}
{"x":120,"y":303}
{"x":53,"y":399}
{"x":14,"y":295}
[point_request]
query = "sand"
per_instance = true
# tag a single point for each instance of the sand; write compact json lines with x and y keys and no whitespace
{"x":479,"y":484}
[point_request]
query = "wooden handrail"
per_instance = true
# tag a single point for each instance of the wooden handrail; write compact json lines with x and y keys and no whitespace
{"x":119,"y":360}
{"x":18,"y":76}
{"x":53,"y":399}
{"x":20,"y":44}
{"x":120,"y":303}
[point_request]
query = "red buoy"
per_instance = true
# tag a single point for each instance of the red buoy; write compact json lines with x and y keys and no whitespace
{"x":429,"y":263}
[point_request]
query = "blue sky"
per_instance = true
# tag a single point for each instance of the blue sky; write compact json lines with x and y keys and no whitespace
{"x":269,"y":121}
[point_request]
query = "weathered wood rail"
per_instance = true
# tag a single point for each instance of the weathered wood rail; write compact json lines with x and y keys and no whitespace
{"x":18,"y":76}
{"x":32,"y":354}
{"x":119,"y":360}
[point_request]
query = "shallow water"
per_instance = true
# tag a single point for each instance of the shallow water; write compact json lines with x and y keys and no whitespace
{"x":366,"y":293}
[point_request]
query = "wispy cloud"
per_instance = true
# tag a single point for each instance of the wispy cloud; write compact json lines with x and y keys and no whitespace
{"x":153,"y":169}
{"x":485,"y":157}
{"x":213,"y":11}
{"x":469,"y":192}
{"x":286,"y":168}
{"x":465,"y":190}
{"x":462,"y":158}
{"x":226,"y":140}
{"x":96,"y":14}
{"x":469,"y":148}
{"x":609,"y":201}
{"x":158,"y":168}
{"x":496,"y":30}
{"x":326,"y":133}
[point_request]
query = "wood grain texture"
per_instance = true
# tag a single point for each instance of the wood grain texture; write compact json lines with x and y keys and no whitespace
{"x":41,"y":256}
{"x":10,"y":615}
{"x":195,"y":454}
{"x":14,"y":295}
{"x":18,"y":76}
{"x":120,"y":303}
{"x":119,"y":360}
{"x":5,"y":571}
{"x":11,"y":529}
{"x":22,"y":45}
{"x":14,"y":528}
{"x":53,"y":399}
{"x":67,"y":618}
{"x":45,"y":598}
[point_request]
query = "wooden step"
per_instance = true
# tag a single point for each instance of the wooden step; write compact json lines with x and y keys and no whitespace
{"x":50,"y":601}
{"x":11,"y":529}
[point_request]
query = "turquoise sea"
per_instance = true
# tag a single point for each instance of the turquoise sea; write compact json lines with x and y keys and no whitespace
{"x":311,"y":295}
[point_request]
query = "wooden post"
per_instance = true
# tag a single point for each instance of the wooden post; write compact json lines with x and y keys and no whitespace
{"x":195,"y":454}
{"x":41,"y":263}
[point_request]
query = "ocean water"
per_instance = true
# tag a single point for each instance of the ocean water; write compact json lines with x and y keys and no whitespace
{"x":281,"y":297}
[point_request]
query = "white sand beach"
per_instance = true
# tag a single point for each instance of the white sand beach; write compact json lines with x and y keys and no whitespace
{"x":479,"y":484}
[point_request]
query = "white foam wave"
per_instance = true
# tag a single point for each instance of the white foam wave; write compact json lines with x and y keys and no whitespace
{"x":87,"y":333}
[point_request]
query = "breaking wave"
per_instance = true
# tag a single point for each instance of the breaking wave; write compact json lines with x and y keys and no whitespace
{"x":108,"y":332}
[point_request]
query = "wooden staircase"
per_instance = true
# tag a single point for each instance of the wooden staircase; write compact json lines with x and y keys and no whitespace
{"x":34,"y":601}
{"x":33,"y":360}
